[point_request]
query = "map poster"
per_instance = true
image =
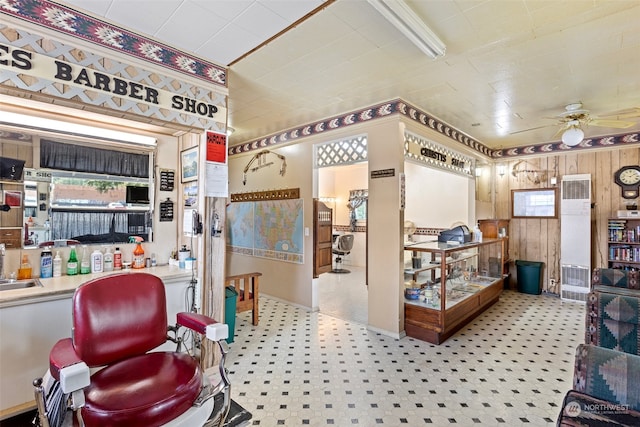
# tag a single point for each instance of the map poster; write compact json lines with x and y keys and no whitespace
{"x":216,"y":147}
{"x":268,"y":229}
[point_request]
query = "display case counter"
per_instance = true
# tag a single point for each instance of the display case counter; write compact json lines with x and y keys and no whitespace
{"x":457,"y":282}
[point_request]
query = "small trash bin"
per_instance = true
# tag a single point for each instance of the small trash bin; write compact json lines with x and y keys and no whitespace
{"x":529,"y":277}
{"x":231,"y":297}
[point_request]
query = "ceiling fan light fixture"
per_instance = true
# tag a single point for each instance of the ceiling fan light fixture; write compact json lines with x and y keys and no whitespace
{"x":572,"y":136}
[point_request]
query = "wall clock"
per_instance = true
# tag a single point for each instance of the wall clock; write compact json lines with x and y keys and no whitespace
{"x":628,"y":178}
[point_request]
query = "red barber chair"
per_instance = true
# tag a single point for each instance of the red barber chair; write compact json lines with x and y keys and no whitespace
{"x":107,"y":375}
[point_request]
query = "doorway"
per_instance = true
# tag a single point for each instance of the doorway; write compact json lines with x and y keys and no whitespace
{"x":344,"y":295}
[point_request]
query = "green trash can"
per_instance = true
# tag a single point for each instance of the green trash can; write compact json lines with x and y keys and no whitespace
{"x":231,"y":296}
{"x":529,"y":277}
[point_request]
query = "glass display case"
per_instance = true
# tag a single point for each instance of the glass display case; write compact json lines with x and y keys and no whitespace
{"x":448,"y":285}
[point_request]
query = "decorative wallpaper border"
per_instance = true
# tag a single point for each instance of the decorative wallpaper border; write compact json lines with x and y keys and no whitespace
{"x":77,"y":24}
{"x":420,"y":231}
{"x":559,"y":147}
{"x":45,"y":50}
{"x":398,"y":106}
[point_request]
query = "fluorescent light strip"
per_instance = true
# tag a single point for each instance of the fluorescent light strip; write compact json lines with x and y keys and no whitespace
{"x":398,"y":13}
{"x":72,"y":129}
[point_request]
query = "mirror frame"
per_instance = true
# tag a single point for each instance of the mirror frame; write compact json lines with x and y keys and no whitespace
{"x":522,"y":207}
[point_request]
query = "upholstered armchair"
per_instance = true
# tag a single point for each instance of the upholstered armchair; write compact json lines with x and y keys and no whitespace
{"x":605,"y":389}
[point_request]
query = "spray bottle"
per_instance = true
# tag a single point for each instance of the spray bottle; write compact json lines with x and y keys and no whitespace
{"x":138,"y":252}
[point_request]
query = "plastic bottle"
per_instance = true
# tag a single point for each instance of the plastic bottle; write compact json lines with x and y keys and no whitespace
{"x":107,"y":260}
{"x":46,"y":264}
{"x":138,"y":256}
{"x":85,"y":264}
{"x":72,"y":264}
{"x":477,"y":234}
{"x":117,"y":259}
{"x":57,"y":265}
{"x":24,"y":272}
{"x":96,"y":261}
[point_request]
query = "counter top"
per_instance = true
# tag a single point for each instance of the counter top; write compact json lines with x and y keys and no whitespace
{"x":64,"y":286}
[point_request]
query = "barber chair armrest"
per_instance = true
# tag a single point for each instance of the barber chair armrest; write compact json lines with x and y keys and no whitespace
{"x":205,"y":325}
{"x":66,"y":367}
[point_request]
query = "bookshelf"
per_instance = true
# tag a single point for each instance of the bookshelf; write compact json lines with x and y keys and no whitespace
{"x":624,"y":243}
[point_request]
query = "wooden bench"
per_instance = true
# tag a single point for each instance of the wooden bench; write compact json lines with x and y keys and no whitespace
{"x":247,"y":287}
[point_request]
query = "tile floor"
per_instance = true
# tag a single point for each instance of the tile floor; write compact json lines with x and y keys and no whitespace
{"x":509,"y":367}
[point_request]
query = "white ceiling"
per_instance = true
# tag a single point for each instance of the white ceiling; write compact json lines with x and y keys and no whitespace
{"x":510,"y":64}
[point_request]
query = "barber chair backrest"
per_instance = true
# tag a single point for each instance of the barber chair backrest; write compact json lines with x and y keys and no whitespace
{"x":345,"y":243}
{"x":118,"y":316}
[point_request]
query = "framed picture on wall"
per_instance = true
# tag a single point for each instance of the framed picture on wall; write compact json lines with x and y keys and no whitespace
{"x":189,"y":164}
{"x":190,"y":192}
{"x":12,"y":198}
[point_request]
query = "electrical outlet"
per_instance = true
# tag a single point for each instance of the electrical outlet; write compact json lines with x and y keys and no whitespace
{"x":552,"y":283}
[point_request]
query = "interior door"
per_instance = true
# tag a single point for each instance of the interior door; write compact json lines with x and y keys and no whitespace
{"x":322,"y":238}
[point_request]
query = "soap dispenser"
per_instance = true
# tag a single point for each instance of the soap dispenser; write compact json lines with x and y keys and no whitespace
{"x":24,"y":272}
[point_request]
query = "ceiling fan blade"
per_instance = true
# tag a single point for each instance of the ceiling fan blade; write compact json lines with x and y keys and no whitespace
{"x":560,"y":130}
{"x":627,"y":113}
{"x":618,"y":124}
{"x":527,"y":130}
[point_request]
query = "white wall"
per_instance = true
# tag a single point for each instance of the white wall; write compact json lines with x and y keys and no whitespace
{"x":435,"y":198}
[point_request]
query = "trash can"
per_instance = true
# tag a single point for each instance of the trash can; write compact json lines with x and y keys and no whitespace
{"x":529,"y":277}
{"x":231,"y":296}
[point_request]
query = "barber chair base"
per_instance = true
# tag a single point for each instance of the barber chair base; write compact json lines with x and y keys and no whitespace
{"x":339,"y":269}
{"x":206,"y":415}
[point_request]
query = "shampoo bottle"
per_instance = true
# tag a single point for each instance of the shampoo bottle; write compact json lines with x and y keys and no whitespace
{"x":57,"y":265}
{"x":117,"y":259}
{"x":107,"y":261}
{"x":96,"y":261}
{"x":46,"y":264}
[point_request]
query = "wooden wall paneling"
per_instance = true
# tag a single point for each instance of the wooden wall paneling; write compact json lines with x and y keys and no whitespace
{"x":540,"y":240}
{"x":213,"y":277}
{"x":553,"y":255}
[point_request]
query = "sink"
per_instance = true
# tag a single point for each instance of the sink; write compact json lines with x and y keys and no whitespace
{"x":7,"y":284}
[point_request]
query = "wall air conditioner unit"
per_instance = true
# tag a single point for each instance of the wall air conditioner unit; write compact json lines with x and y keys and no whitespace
{"x":575,"y":237}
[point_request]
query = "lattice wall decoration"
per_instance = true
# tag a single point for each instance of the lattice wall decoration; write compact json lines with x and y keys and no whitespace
{"x":427,"y":152}
{"x":343,"y":152}
{"x":13,"y":80}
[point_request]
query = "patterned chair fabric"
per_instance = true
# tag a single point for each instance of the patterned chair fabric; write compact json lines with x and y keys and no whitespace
{"x":607,"y":374}
{"x":615,"y":278}
{"x":612,"y":321}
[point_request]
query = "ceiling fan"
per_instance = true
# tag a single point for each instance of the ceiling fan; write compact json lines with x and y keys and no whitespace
{"x":571,"y":120}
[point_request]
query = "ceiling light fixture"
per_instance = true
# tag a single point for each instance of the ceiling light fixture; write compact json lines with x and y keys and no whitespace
{"x":23,"y":121}
{"x":405,"y":19}
{"x":573,"y":135}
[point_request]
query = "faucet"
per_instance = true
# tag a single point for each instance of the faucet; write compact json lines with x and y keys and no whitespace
{"x":2,"y":254}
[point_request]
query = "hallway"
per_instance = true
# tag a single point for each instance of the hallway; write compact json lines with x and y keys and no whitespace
{"x":511,"y":366}
{"x":344,"y":295}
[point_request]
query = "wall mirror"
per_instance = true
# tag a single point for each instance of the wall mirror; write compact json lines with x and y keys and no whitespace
{"x":90,"y":193}
{"x":534,"y":203}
